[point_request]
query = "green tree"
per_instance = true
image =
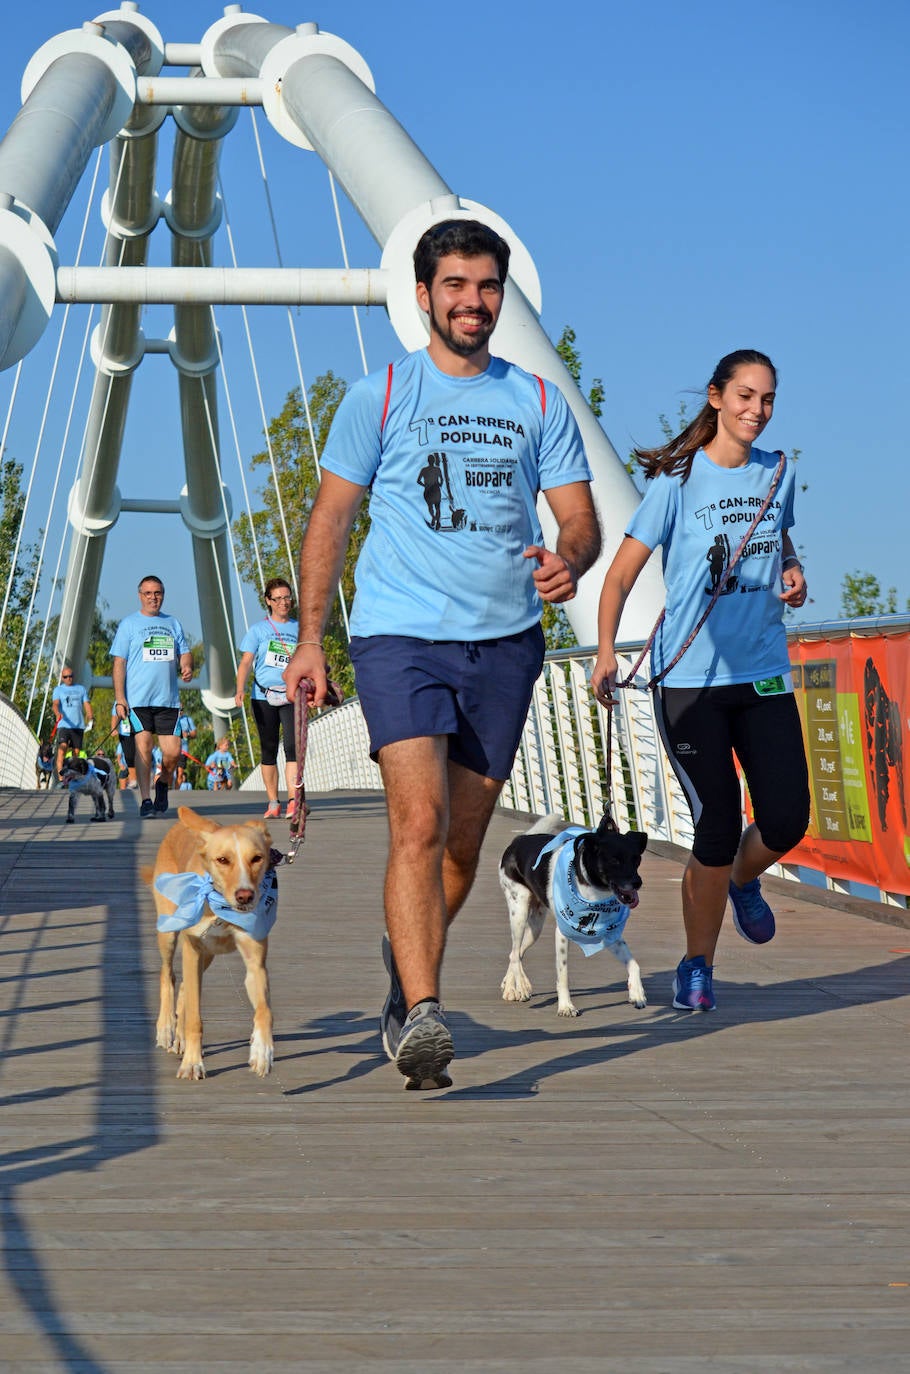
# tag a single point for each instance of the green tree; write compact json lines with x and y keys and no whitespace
{"x":292,"y":498}
{"x":16,"y":582}
{"x":570,"y":355}
{"x":861,"y":594}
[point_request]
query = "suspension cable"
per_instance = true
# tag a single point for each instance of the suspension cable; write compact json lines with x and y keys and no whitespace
{"x":80,"y":458}
{"x":304,"y":393}
{"x":47,"y":405}
{"x":259,"y":397}
{"x":344,"y":253}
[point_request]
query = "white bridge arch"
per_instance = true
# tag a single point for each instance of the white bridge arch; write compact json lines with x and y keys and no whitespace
{"x":107,"y":83}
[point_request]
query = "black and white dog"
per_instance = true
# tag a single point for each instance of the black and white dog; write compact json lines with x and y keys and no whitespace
{"x":589,"y":879}
{"x":92,"y":778}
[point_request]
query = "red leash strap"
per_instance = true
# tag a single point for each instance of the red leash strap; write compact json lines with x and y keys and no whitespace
{"x":302,"y":697}
{"x":718,"y":591}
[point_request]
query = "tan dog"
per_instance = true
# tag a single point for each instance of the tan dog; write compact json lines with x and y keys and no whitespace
{"x":236,"y":859}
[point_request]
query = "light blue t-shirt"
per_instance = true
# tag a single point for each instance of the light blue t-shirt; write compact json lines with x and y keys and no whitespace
{"x":271,"y":645}
{"x":699,"y":524}
{"x":151,"y":645}
{"x":71,"y":697}
{"x":455,"y":474}
{"x":184,"y":726}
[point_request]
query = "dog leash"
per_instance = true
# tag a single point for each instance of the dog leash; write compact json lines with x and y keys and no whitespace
{"x":306,"y":689}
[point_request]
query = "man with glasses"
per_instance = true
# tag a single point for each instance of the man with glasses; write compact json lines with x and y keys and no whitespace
{"x":454,"y":445}
{"x":73,"y":713}
{"x":149,"y":650}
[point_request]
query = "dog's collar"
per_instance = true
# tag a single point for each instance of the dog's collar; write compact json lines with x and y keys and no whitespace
{"x":592,"y":926}
{"x":191,"y":892}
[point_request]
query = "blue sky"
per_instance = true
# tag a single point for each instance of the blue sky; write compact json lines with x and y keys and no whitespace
{"x":689,"y":179}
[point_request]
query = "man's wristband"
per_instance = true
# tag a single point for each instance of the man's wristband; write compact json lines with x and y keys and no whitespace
{"x":316,"y":642}
{"x":792,"y":561}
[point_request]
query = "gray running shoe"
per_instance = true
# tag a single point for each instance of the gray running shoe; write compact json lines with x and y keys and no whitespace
{"x":392,"y":1016}
{"x":425,"y":1047}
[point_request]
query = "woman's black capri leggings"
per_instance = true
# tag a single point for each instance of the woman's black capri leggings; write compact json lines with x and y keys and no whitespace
{"x":701,"y":727}
{"x":268,"y":720}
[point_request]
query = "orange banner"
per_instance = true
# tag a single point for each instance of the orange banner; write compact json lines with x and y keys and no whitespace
{"x":854,"y":703}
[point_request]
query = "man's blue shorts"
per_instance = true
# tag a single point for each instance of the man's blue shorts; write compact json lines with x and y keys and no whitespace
{"x":476,"y":693}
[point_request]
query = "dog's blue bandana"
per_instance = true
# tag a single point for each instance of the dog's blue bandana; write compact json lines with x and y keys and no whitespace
{"x":592,"y":926}
{"x":191,"y":892}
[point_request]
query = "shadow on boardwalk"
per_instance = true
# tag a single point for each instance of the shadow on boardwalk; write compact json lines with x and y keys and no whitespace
{"x":730,"y":1186}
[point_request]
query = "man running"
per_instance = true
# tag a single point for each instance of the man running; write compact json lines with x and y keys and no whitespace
{"x":149,"y":650}
{"x":446,"y":637}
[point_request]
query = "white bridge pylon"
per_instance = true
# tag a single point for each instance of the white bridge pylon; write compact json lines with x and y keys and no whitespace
{"x":103,"y":84}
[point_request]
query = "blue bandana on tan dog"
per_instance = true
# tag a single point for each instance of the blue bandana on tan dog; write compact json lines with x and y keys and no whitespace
{"x":192,"y":892}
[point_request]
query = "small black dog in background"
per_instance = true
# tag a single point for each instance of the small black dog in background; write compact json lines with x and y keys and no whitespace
{"x":92,"y":778}
{"x":44,"y":764}
{"x":589,"y":881}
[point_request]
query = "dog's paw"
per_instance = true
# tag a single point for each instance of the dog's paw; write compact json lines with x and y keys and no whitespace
{"x":516,"y":986}
{"x":164,"y":1038}
{"x":636,"y":986}
{"x":193,"y":1069}
{"x":71,"y":820}
{"x":262,"y":1055}
{"x":566,"y":1009}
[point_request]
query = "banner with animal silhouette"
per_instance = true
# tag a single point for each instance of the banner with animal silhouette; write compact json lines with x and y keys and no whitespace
{"x":854,"y":703}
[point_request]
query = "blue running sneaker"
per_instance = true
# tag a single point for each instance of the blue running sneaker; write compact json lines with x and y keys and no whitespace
{"x":692,"y":986}
{"x":392,"y":1016}
{"x":752,"y":916}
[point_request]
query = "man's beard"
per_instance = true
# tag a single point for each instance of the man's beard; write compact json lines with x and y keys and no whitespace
{"x":463,"y":346}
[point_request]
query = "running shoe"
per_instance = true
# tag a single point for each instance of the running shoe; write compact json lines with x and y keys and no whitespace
{"x":160,"y":797}
{"x":752,"y":916}
{"x":273,"y":811}
{"x":392,"y":1016}
{"x":425,"y":1047}
{"x":146,"y":809}
{"x":290,"y":811}
{"x":692,"y":986}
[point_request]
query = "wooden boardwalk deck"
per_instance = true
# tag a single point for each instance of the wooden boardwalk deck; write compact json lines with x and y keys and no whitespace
{"x":632,"y":1190}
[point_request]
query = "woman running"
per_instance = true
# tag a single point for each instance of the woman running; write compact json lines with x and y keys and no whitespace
{"x":266,"y":648}
{"x":729,"y":690}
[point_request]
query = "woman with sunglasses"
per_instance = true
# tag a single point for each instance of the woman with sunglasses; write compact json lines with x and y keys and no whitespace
{"x":265,"y":650}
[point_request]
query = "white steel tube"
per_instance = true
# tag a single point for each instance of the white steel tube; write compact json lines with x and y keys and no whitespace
{"x":223,"y":285}
{"x":188,"y":90}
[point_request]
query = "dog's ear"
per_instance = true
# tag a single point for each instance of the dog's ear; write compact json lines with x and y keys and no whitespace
{"x":261,"y":827}
{"x":639,"y":839}
{"x":607,"y":825}
{"x":193,"y":821}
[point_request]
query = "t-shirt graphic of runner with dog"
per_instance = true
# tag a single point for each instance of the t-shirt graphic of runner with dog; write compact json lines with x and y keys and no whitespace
{"x":433,"y":478}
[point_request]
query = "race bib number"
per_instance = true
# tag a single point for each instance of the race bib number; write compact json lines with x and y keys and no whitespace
{"x":276,"y":655}
{"x":158,"y":649}
{"x":771,"y":686}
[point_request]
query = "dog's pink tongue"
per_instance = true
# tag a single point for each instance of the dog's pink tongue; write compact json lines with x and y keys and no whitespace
{"x":631,"y":900}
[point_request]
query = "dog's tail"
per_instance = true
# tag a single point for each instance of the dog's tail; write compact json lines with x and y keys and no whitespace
{"x":548,"y":825}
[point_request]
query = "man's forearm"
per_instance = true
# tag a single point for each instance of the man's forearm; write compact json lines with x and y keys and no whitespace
{"x":118,"y":676}
{"x":321,"y":561}
{"x":579,"y":541}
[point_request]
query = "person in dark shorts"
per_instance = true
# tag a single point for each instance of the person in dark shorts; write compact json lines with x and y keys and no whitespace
{"x":728,"y":690}
{"x":265,"y":652}
{"x":73,"y":713}
{"x":446,"y":638}
{"x":150,"y":651}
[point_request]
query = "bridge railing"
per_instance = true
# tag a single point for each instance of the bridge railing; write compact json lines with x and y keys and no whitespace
{"x":18,"y":747}
{"x":561,"y":763}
